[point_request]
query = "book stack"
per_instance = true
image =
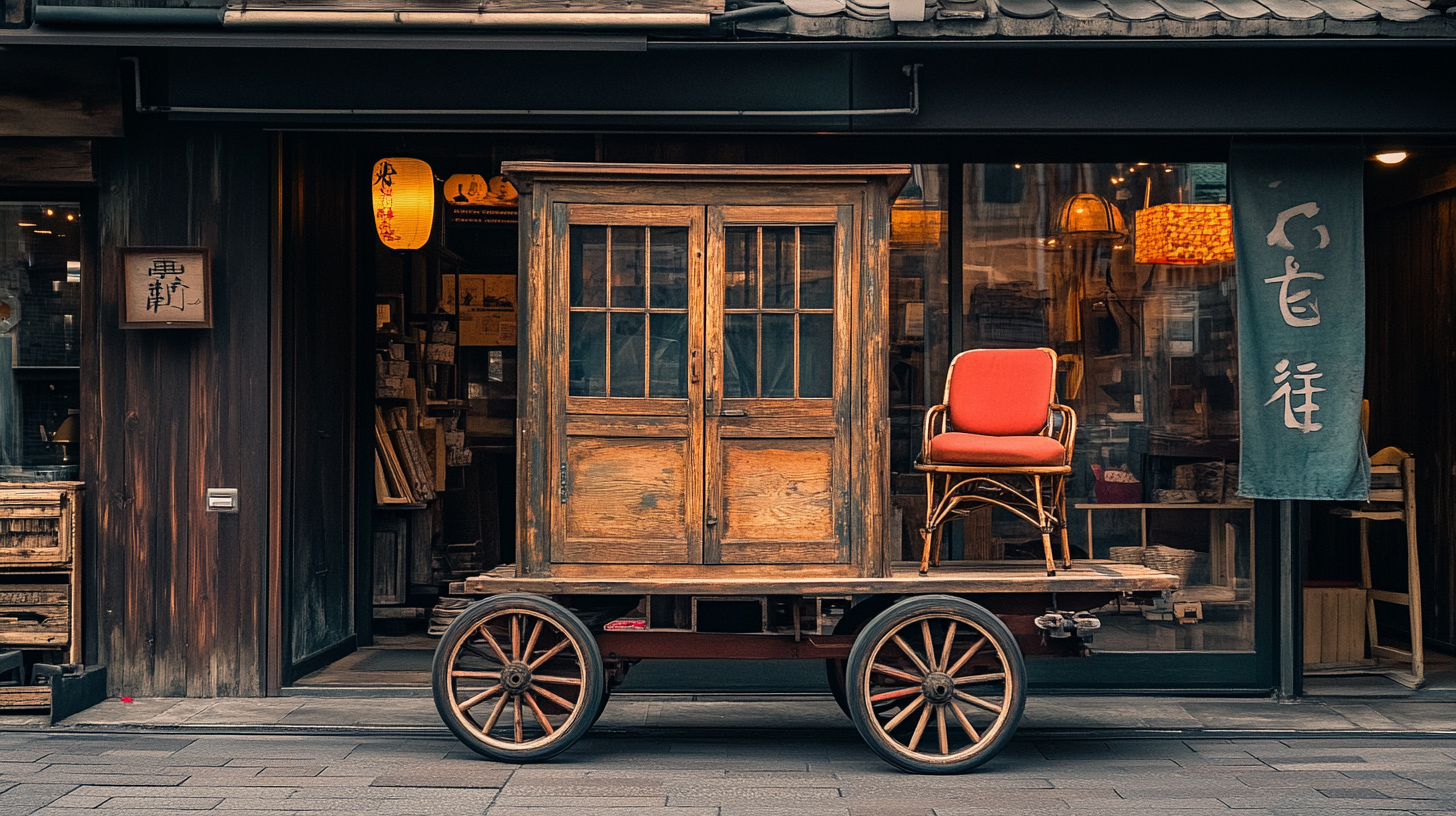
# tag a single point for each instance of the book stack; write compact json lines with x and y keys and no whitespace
{"x":402,"y":473}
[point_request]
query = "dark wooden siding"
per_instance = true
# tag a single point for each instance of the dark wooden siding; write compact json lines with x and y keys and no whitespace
{"x":1411,"y":380}
{"x":180,"y":610}
{"x":320,"y":334}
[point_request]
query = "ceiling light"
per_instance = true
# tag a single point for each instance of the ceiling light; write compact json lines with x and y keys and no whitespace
{"x":1392,"y":157}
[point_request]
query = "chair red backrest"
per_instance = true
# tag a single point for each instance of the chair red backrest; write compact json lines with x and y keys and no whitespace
{"x":1001,"y":392}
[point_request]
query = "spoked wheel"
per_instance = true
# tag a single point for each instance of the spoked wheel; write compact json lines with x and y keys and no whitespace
{"x":835,"y":668}
{"x":518,"y":678}
{"x":937,"y":684}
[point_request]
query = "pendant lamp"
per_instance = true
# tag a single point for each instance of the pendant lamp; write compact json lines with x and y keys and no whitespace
{"x":1090,"y":217}
{"x":404,"y":202}
{"x":1184,"y":234}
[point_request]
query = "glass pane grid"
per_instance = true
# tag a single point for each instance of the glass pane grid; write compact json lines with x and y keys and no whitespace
{"x":613,"y":354}
{"x":748,"y":255}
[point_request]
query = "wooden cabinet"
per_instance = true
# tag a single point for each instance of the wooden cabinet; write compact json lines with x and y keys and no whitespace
{"x":702,"y":380}
{"x":40,"y":579}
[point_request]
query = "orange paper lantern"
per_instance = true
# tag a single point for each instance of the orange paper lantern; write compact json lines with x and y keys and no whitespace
{"x":1184,"y":234}
{"x":404,"y":202}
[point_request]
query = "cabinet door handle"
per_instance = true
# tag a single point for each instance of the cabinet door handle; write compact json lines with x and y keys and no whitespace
{"x":694,"y":375}
{"x":712,"y":373}
{"x":733,"y":412}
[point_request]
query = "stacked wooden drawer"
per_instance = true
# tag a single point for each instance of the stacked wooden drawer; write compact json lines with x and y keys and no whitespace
{"x":39,"y":579}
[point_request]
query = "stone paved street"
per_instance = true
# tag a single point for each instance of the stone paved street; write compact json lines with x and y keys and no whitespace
{"x":718,"y":772}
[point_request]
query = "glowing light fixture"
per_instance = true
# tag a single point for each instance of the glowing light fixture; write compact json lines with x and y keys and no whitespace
{"x":1392,"y":157}
{"x":1090,"y":217}
{"x":404,"y":202}
{"x":1184,"y":234}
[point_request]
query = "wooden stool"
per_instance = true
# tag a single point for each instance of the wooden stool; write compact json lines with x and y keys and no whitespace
{"x":1386,"y":467}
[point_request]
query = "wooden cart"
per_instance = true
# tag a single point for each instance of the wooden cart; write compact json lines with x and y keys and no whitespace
{"x":703,"y":438}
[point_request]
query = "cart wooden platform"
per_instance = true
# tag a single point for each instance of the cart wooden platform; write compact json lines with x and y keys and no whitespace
{"x":703,"y":471}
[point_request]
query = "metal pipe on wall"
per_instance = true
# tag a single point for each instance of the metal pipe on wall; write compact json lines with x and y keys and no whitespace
{"x":290,"y":18}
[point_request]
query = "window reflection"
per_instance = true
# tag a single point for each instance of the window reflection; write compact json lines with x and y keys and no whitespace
{"x":40,"y":310}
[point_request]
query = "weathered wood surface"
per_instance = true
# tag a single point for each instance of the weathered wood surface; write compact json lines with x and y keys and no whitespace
{"x":180,"y":591}
{"x":38,"y":526}
{"x":766,"y":173}
{"x":25,"y":697}
{"x":45,"y":161}
{"x":776,"y":490}
{"x":994,"y":578}
{"x":35,"y":615}
{"x":77,"y":96}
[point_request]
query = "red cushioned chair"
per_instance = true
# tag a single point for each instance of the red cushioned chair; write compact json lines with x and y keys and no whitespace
{"x":1000,"y":438}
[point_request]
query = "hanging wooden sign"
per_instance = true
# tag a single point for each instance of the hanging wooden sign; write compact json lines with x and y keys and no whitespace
{"x":165,"y":288}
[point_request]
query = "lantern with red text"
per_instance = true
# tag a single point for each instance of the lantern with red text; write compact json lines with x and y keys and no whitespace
{"x":404,"y":202}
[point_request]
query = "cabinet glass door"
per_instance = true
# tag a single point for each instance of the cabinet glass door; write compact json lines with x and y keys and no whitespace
{"x":630,"y":384}
{"x":777,"y":413}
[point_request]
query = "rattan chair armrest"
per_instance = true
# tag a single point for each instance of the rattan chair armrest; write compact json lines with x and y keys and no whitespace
{"x":930,"y":416}
{"x":1067,"y":435}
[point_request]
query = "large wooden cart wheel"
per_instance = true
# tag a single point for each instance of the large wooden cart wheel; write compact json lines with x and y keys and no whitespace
{"x":936,"y":684}
{"x":836,"y":669}
{"x":518,"y":678}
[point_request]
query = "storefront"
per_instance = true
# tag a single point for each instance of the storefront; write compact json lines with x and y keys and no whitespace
{"x":362,"y":399}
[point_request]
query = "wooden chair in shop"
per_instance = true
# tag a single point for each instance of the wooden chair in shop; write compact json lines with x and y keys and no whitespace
{"x":999,"y":438}
{"x":1392,"y":498}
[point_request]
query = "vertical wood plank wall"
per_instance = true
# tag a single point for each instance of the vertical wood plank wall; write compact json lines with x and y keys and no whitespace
{"x":1411,"y":379}
{"x":320,"y":338}
{"x":180,"y":606}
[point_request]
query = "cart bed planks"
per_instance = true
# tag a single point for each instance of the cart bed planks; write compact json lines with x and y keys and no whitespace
{"x":952,"y":579}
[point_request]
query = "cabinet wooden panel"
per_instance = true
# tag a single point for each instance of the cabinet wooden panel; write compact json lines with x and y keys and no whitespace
{"x":626,"y":501}
{"x":778,"y":502}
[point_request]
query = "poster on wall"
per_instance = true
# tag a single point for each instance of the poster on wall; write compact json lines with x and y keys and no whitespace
{"x":165,"y":288}
{"x":486,"y":308}
{"x":1298,"y":213}
{"x":447,"y":294}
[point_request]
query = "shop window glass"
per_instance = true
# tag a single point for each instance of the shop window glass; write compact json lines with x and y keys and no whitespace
{"x":40,"y":319}
{"x":1148,"y":359}
{"x":918,"y":337}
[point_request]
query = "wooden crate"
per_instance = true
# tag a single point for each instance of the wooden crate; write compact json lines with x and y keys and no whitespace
{"x":37,"y":526}
{"x":35,"y":615}
{"x":25,"y":697}
{"x":1334,"y":625}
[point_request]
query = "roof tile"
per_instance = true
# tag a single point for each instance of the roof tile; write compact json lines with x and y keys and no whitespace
{"x":1143,"y":19}
{"x":1135,"y":10}
{"x":1240,"y":9}
{"x":1401,"y":11}
{"x":1187,"y":10}
{"x":1081,"y":9}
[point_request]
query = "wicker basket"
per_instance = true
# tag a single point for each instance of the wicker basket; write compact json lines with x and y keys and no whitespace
{"x":1125,"y":555}
{"x":1171,"y":560}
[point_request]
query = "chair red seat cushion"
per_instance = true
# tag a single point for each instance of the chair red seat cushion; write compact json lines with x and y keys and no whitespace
{"x":999,"y":451}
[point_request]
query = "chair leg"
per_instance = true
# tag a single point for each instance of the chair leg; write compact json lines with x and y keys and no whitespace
{"x":925,"y":554}
{"x":1045,"y":522}
{"x":927,"y":532}
{"x":1061,"y":507}
{"x":1046,"y":545}
{"x":935,"y":544}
